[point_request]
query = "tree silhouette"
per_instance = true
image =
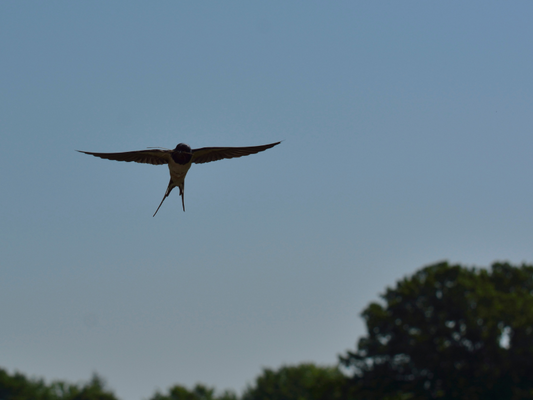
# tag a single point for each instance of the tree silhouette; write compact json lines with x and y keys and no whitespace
{"x":300,"y":382}
{"x":199,"y":392}
{"x":449,"y":332}
{"x":18,"y":387}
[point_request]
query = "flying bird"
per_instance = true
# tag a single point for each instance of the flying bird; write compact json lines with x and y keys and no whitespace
{"x":180,"y":160}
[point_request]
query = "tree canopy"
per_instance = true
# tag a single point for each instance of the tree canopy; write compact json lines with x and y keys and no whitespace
{"x":446,"y":332}
{"x":18,"y":387}
{"x":300,"y":382}
{"x":199,"y":392}
{"x":449,"y":332}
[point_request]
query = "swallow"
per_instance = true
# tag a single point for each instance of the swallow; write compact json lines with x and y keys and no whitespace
{"x":180,"y":160}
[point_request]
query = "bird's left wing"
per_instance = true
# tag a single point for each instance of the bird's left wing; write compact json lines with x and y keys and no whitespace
{"x":208,"y":154}
{"x":155,"y":157}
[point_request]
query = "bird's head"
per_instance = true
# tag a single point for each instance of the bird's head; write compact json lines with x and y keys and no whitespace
{"x":182,"y":154}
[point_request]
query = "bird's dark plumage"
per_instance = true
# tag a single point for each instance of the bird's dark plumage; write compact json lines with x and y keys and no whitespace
{"x":155,"y":157}
{"x":180,"y":159}
{"x":208,"y":154}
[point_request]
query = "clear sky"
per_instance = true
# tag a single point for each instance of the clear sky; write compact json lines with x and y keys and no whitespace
{"x":407,"y":139}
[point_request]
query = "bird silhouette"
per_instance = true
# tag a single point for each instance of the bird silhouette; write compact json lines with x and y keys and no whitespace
{"x":180,"y":160}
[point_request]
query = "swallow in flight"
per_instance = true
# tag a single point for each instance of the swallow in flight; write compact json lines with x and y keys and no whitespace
{"x":180,"y":159}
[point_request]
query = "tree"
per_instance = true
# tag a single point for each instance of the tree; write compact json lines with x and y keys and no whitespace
{"x":18,"y":387}
{"x":95,"y":389}
{"x":300,"y":382}
{"x":449,"y":332}
{"x":199,"y":392}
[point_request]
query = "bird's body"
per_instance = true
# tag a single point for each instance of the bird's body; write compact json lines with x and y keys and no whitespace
{"x":180,"y":160}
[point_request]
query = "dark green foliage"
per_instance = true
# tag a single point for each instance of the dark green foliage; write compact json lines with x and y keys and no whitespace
{"x":449,"y":332}
{"x":93,"y":390}
{"x":199,"y":392}
{"x":18,"y":387}
{"x":300,"y":382}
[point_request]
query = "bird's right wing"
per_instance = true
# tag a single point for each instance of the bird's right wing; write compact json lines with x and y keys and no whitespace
{"x":155,"y":157}
{"x":208,"y":154}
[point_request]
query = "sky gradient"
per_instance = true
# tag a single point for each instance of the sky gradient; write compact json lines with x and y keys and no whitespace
{"x":407,"y":140}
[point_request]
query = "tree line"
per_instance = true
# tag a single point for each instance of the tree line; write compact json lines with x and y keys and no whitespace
{"x":445,"y":332}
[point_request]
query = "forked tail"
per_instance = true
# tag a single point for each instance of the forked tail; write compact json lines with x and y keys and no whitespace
{"x":166,"y":195}
{"x":169,"y":189}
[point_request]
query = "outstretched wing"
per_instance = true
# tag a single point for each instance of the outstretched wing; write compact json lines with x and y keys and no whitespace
{"x":208,"y":154}
{"x":155,"y":157}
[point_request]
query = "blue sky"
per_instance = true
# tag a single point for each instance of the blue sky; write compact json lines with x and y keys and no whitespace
{"x":406,"y":131}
